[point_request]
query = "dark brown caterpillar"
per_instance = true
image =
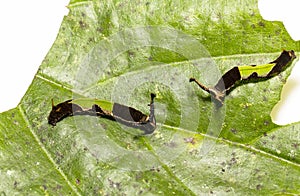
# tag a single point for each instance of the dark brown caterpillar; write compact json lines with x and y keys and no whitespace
{"x":247,"y":72}
{"x":125,"y":115}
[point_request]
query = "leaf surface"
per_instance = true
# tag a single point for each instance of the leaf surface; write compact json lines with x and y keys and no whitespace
{"x":122,"y":51}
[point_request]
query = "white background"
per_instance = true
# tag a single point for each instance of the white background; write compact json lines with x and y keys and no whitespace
{"x":29,"y":28}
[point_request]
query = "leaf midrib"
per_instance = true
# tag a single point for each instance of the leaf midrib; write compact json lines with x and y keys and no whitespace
{"x":44,"y":150}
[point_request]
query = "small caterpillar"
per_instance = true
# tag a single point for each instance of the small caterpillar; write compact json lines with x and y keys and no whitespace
{"x":246,"y":72}
{"x":125,"y":115}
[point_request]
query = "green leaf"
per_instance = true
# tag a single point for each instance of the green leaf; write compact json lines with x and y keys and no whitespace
{"x":121,"y":51}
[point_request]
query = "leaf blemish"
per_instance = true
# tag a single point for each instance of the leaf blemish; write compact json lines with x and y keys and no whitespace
{"x":234,"y":131}
{"x":83,"y":24}
{"x":261,"y":24}
{"x":295,"y":145}
{"x":258,"y":187}
{"x":190,"y":140}
{"x":171,"y":144}
{"x":266,"y":122}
